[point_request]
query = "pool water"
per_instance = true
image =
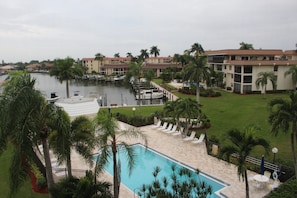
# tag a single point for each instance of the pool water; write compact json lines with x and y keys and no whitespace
{"x":146,"y":160}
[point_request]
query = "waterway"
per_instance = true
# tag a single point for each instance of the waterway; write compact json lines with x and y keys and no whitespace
{"x":109,"y":94}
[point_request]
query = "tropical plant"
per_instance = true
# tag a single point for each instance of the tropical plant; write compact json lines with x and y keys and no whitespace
{"x":143,"y":54}
{"x":26,"y":120}
{"x":196,"y":71}
{"x":292,"y":71}
{"x":246,"y":46}
{"x":110,"y":142}
{"x":79,"y":134}
{"x":197,"y":49}
{"x":187,"y":109}
{"x":263,"y":78}
{"x":242,"y":143}
{"x":283,"y":117}
{"x":117,"y":55}
{"x":182,"y":59}
{"x":80,"y":188}
{"x":65,"y":70}
{"x":183,"y":182}
{"x":155,"y":51}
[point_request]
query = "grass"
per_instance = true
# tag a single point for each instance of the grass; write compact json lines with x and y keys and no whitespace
{"x":235,"y":111}
{"x":25,"y":190}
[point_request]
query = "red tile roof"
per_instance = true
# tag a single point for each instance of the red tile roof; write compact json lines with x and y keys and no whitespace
{"x":244,"y":52}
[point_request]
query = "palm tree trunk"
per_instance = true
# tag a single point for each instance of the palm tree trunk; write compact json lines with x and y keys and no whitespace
{"x":198,"y":93}
{"x":115,"y":170}
{"x":246,"y":185}
{"x":48,"y":165}
{"x":69,"y":168}
{"x":293,"y":136}
{"x":67,"y":88}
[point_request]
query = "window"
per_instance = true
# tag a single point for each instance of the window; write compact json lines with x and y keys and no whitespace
{"x":237,"y":69}
{"x":247,"y":89}
{"x":275,"y":68}
{"x":248,"y":69}
{"x":237,"y":78}
{"x":219,"y":67}
{"x":247,"y":79}
{"x":225,"y":67}
{"x":232,"y":57}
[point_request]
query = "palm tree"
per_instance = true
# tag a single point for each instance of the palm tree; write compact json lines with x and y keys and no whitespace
{"x":182,"y":59}
{"x":246,"y":46}
{"x":242,"y":145}
{"x":136,"y":70}
{"x":196,"y":71}
{"x":155,"y":51}
{"x":197,"y":49}
{"x":109,"y":139}
{"x":79,"y":134}
{"x":283,"y":118}
{"x":65,"y":70}
{"x":117,"y":55}
{"x":26,"y":120}
{"x":143,"y":54}
{"x":187,"y":109}
{"x":292,"y":71}
{"x":263,"y":78}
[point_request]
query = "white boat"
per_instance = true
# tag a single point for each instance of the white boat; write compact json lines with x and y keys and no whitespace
{"x":53,"y":98}
{"x":149,"y":94}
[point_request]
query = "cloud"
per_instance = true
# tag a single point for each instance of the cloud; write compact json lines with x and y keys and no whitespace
{"x":41,"y":30}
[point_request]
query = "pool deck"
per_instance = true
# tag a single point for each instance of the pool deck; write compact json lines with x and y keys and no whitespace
{"x":193,"y":155}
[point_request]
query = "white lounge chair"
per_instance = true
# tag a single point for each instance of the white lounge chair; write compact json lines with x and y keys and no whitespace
{"x":201,"y":138}
{"x":178,"y":132}
{"x":168,"y":128}
{"x":122,"y":127}
{"x":173,"y":129}
{"x":158,"y":124}
{"x":163,"y":126}
{"x":191,"y":137}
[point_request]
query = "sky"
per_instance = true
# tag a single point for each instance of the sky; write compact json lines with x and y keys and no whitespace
{"x":50,"y":29}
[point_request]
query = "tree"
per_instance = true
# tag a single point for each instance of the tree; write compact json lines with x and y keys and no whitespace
{"x":182,"y":59}
{"x":155,"y":51}
{"x":246,"y":46}
{"x":143,"y":54}
{"x":188,"y":109}
{"x":263,"y":78}
{"x":65,"y":70}
{"x":283,"y":118}
{"x":136,"y":71}
{"x":292,"y":71}
{"x":83,"y":187}
{"x":26,"y":120}
{"x":196,"y":71}
{"x":197,"y":49}
{"x":117,"y":55}
{"x":183,"y":182}
{"x":242,"y":143}
{"x":79,"y":134}
{"x":110,"y":142}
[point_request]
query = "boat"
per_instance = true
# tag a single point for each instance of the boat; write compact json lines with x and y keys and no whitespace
{"x":53,"y":98}
{"x":149,"y":94}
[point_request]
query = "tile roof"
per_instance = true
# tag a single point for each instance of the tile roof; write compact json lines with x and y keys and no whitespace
{"x":161,"y":65}
{"x":244,"y":52}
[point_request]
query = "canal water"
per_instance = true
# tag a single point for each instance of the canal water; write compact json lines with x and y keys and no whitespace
{"x":109,"y":94}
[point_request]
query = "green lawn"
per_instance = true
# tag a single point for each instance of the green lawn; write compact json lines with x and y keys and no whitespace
{"x":235,"y":111}
{"x":25,"y":191}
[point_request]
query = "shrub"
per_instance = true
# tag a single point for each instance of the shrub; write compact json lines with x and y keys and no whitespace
{"x":288,"y":190}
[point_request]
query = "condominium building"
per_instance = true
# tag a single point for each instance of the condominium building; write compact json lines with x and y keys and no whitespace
{"x":241,"y":68}
{"x":120,"y":66}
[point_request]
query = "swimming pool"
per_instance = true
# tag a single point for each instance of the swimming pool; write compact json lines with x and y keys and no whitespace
{"x":146,"y":161}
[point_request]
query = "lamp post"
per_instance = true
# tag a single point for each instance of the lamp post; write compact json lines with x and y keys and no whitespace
{"x":274,"y":151}
{"x":133,"y":109}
